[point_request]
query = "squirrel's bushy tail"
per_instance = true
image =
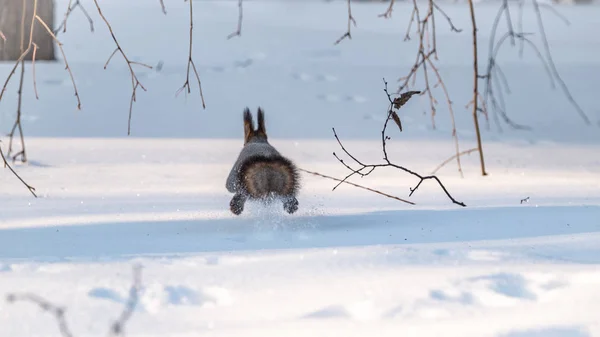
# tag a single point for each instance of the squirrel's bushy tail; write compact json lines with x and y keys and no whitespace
{"x":262,"y":176}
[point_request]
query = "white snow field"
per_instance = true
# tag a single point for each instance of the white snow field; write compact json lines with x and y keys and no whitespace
{"x":349,"y":262}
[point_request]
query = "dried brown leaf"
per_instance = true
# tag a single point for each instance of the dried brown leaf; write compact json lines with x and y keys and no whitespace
{"x":396,"y":119}
{"x":404,"y":97}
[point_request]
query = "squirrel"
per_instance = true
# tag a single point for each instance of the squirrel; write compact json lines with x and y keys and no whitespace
{"x":260,"y":171}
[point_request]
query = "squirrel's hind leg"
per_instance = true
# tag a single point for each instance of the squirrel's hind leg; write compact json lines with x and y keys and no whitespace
{"x":236,"y":205}
{"x":290,"y":204}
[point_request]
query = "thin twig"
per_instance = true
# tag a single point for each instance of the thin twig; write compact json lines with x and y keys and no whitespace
{"x":356,"y":185}
{"x":191,"y":64}
{"x":70,"y":8}
{"x":135,"y":83}
{"x":495,"y":76}
{"x":366,"y":169}
{"x":452,"y":26}
{"x":35,"y":48}
{"x":388,"y":163}
{"x":426,"y":32}
{"x":17,"y":124}
{"x":388,"y":13}
{"x":350,"y":22}
{"x":562,"y":84}
{"x":118,"y":326}
{"x":238,"y":31}
{"x":162,"y":6}
{"x":24,"y":51}
{"x":56,"y":311}
{"x":465,"y":152}
{"x":64,"y":58}
{"x":6,"y":164}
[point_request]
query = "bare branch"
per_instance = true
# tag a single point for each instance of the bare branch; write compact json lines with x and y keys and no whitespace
{"x":475,"y":93}
{"x":17,"y":126}
{"x":452,"y":26}
{"x":57,"y":312}
{"x":462,"y":153}
{"x":35,"y":48}
{"x":118,"y":326}
{"x":350,"y":22}
{"x":495,"y":77}
{"x":356,"y":185}
{"x":6,"y":164}
{"x":238,"y":32}
{"x":425,"y":27}
{"x":191,"y":63}
{"x":64,"y":58}
{"x":162,"y":6}
{"x":135,"y":83}
{"x":388,"y":13}
{"x":24,"y":51}
{"x":70,"y":8}
{"x":563,"y":86}
{"x":366,"y":169}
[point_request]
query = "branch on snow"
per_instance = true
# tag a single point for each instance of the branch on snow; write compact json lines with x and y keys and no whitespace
{"x":117,"y":327}
{"x":366,"y":169}
{"x":135,"y":83}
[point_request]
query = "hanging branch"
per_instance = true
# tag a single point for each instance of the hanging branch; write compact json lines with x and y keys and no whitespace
{"x":238,"y":32}
{"x":117,"y":327}
{"x":191,"y":64}
{"x":59,"y":44}
{"x":350,"y":22}
{"x":476,"y":90}
{"x":366,"y":169}
{"x":6,"y":164}
{"x":388,"y":13}
{"x":553,"y":69}
{"x":31,"y":45}
{"x":135,"y":83}
{"x":17,"y":126}
{"x":72,"y":5}
{"x":162,"y":6}
{"x":426,"y":32}
{"x":496,"y":83}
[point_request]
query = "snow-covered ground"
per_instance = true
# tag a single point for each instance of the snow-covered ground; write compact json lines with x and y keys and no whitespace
{"x":349,"y":262}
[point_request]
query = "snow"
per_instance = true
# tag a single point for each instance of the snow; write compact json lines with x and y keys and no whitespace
{"x":349,"y":262}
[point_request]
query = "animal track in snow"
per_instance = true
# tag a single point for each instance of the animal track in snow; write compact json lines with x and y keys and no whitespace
{"x":338,"y":98}
{"x":359,"y":311}
{"x":240,"y":64}
{"x":302,"y":76}
{"x":155,"y":296}
{"x":497,"y":290}
{"x":485,"y":255}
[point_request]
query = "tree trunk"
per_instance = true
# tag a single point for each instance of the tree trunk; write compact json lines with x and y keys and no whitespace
{"x":14,"y":35}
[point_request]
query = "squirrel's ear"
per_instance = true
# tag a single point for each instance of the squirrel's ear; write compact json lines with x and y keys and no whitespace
{"x":261,"y":123}
{"x":248,"y":125}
